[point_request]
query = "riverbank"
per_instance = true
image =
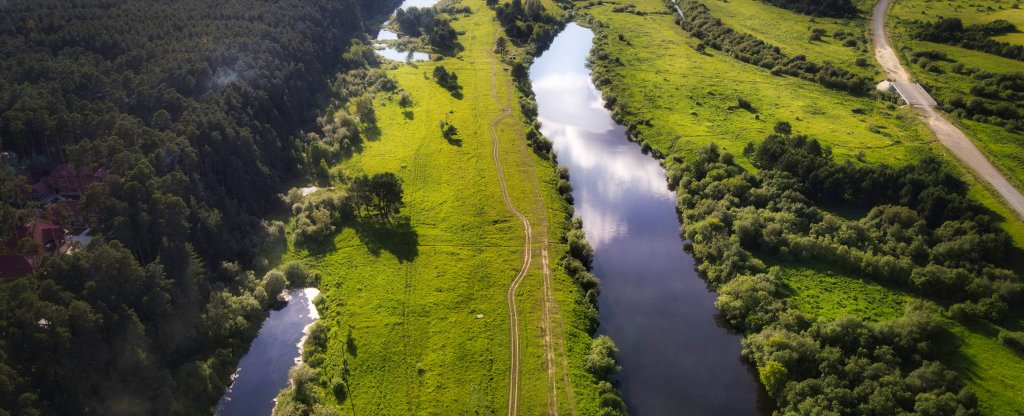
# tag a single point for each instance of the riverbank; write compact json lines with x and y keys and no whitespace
{"x":677,"y":99}
{"x":263,"y":370}
{"x":416,"y":312}
{"x":653,"y":303}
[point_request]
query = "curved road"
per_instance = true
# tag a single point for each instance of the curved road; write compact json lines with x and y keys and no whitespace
{"x":948,"y":134}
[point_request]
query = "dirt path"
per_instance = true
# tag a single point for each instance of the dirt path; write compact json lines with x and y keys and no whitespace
{"x":513,"y":313}
{"x":548,"y":305}
{"x":948,"y":134}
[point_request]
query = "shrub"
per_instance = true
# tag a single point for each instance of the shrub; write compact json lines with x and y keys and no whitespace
{"x":1012,"y":339}
{"x":300,"y":276}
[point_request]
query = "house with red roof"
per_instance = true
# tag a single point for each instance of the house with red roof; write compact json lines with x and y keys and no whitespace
{"x":51,"y":238}
{"x":66,"y":180}
{"x":12,"y":266}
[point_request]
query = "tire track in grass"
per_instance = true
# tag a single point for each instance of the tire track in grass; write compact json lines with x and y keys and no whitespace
{"x":513,"y":388}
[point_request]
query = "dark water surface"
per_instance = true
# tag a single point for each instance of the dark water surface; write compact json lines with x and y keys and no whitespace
{"x":676,"y":359}
{"x":263,"y":371}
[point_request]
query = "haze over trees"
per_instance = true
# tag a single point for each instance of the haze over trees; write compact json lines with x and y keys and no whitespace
{"x":193,"y":108}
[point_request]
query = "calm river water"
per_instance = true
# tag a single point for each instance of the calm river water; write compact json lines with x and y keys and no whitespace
{"x":263,"y":371}
{"x":676,"y":359}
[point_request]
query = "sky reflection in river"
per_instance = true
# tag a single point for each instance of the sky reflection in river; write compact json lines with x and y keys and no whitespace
{"x":676,"y":359}
{"x":263,"y":371}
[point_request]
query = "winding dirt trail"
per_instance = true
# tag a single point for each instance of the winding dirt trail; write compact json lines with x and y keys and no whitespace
{"x":548,"y":305}
{"x":948,"y":134}
{"x":513,"y":313}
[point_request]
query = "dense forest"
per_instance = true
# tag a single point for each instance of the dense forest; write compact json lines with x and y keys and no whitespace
{"x":920,"y":232}
{"x":194,"y":109}
{"x":825,"y":8}
{"x":715,"y":34}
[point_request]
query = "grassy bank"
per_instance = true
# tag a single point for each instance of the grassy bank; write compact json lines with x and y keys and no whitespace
{"x":678,"y":99}
{"x":416,"y":312}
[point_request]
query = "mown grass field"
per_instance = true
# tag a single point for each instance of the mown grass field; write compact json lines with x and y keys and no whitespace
{"x":686,"y":97}
{"x":410,"y":294}
{"x":791,"y":32}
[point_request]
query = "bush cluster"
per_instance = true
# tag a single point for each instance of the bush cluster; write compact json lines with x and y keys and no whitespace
{"x":921,"y":232}
{"x":746,"y":48}
{"x":994,"y":99}
{"x":601,"y":363}
{"x":448,"y":80}
{"x":823,"y":8}
{"x":429,"y":22}
{"x":978,"y":37}
{"x":527,"y":23}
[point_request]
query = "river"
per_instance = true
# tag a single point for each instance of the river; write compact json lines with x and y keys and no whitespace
{"x":676,"y":358}
{"x":263,"y":371}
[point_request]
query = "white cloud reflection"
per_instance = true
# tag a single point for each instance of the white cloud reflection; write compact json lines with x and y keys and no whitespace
{"x":608,"y":172}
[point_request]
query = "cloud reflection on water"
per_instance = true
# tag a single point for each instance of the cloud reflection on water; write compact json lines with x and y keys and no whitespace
{"x":584,"y":134}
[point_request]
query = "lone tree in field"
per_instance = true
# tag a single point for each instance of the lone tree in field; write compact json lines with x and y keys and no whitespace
{"x":448,"y":130}
{"x":447,"y":80}
{"x":379,"y":195}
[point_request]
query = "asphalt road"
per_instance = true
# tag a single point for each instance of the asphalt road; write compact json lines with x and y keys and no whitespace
{"x":948,"y":134}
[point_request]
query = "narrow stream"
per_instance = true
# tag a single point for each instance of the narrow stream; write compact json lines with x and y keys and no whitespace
{"x":263,"y":371}
{"x":676,"y":358}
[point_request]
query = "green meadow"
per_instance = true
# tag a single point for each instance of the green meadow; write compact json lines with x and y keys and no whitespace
{"x":791,"y":32}
{"x":681,"y":99}
{"x":418,"y":309}
{"x":690,"y":98}
{"x":1004,"y":148}
{"x":973,"y":12}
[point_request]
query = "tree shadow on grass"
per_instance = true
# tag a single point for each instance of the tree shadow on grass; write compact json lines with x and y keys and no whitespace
{"x":408,"y":114}
{"x":949,"y":348}
{"x":454,"y":141}
{"x":372,"y":133}
{"x":397,"y":237}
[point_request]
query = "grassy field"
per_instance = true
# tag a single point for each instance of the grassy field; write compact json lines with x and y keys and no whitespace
{"x":991,"y":369}
{"x":682,"y":99}
{"x":821,"y":292}
{"x":1004,"y":148}
{"x":791,"y":32}
{"x":973,"y":12}
{"x":410,"y":295}
{"x":691,"y":98}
